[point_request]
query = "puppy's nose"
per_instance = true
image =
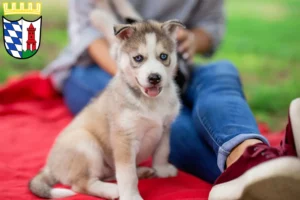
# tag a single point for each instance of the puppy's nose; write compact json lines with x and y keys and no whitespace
{"x":154,"y":79}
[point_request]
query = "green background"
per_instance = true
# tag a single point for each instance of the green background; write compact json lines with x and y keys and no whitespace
{"x":262,"y":40}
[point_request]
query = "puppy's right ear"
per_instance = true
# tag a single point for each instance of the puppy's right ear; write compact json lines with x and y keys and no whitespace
{"x":171,"y":27}
{"x":123,"y":31}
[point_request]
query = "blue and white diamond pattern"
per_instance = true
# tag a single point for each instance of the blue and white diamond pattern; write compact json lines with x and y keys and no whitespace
{"x":13,"y":37}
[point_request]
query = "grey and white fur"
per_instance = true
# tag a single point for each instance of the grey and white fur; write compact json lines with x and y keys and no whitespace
{"x":125,"y":125}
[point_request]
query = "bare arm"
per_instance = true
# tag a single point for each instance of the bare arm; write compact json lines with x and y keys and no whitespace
{"x":86,"y":37}
{"x":207,"y":26}
{"x":99,"y":52}
{"x":193,"y":41}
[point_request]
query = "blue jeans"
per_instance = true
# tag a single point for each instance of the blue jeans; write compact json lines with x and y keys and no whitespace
{"x":214,"y":118}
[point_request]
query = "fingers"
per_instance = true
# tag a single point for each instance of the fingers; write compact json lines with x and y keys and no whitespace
{"x":184,"y":46}
{"x":183,"y":43}
{"x":187,"y":47}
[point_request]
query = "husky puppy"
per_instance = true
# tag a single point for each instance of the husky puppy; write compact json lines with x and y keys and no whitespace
{"x":108,"y":12}
{"x":125,"y":125}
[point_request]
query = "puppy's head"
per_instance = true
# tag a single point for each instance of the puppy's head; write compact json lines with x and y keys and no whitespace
{"x":147,"y":54}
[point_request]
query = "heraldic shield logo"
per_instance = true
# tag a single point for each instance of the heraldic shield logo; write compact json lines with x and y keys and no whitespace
{"x":22,"y":38}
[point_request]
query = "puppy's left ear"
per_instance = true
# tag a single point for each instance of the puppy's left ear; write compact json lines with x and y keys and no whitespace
{"x":123,"y":31}
{"x":171,"y":26}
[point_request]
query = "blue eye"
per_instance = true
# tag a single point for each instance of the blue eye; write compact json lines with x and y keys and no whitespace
{"x":138,"y":58}
{"x":163,"y":56}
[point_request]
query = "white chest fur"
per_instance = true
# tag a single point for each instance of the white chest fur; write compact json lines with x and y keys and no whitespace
{"x":151,"y":126}
{"x":148,"y":119}
{"x":148,"y":136}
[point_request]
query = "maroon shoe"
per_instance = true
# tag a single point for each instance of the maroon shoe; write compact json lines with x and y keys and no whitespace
{"x":291,"y":143}
{"x":261,"y":173}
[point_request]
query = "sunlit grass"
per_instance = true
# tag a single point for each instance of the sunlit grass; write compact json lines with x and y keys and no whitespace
{"x":263,"y":41}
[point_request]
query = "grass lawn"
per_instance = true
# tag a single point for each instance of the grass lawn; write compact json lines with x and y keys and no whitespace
{"x":262,"y":40}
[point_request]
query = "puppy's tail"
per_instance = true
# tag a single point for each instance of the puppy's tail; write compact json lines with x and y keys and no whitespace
{"x":41,"y":186}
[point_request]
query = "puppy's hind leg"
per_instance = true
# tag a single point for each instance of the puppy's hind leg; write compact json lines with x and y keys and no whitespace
{"x":95,"y":187}
{"x":102,"y":189}
{"x":89,"y":182}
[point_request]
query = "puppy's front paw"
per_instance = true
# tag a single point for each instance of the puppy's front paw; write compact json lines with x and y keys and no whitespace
{"x":164,"y":171}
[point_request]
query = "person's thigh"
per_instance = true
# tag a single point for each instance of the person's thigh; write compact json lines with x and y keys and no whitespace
{"x":82,"y":85}
{"x":189,"y":152}
{"x":216,"y":78}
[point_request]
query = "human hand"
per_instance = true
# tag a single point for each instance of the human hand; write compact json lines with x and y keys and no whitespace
{"x":186,"y":43}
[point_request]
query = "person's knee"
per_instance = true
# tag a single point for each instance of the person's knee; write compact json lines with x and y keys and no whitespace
{"x":218,"y":77}
{"x":223,"y":68}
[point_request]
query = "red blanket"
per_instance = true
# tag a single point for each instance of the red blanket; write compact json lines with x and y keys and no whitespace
{"x":32,"y":114}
